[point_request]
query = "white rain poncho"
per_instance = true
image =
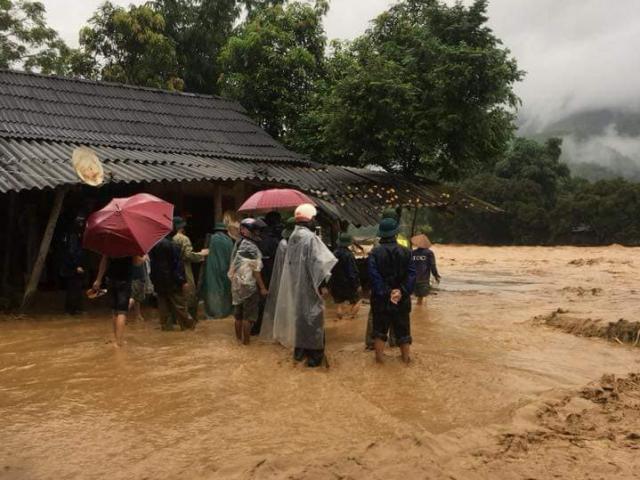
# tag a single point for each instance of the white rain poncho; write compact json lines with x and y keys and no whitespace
{"x":308,"y":263}
{"x":276,"y":329}
{"x":246,"y":259}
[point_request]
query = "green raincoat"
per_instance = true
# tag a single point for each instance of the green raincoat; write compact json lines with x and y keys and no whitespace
{"x":215,"y":289}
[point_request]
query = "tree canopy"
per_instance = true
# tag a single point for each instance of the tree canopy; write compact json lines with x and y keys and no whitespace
{"x":130,"y":46}
{"x":26,"y":41}
{"x":199,"y":30}
{"x":274,"y":61}
{"x":427,"y":89}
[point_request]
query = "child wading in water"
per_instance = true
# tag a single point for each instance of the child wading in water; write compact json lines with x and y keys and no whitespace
{"x":425,"y":262}
{"x":345,"y":280}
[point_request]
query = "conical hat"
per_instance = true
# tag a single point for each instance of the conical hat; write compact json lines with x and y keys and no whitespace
{"x":421,"y":241}
{"x":87,"y":166}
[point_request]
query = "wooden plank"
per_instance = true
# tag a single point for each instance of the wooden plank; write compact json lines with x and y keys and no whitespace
{"x":45,"y":243}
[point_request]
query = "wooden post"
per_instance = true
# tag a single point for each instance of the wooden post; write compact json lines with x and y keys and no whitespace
{"x":34,"y":279}
{"x":217,"y":202}
{"x":413,"y":223}
{"x":30,"y":220}
{"x":6,"y":263}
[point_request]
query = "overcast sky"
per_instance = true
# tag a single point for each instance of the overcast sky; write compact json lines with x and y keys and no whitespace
{"x":577,"y":53}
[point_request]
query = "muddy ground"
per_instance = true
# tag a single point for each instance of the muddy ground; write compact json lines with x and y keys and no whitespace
{"x":522,"y":369}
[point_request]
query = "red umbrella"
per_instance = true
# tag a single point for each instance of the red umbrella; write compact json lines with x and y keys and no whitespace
{"x":275,"y":199}
{"x":128,"y":226}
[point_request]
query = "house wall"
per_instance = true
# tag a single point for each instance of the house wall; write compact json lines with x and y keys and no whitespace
{"x":21,"y":236}
{"x":20,"y":239}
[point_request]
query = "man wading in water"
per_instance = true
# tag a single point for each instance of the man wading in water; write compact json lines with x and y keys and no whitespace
{"x":393,"y":276}
{"x":119,"y":271}
{"x":170,"y":282}
{"x":307,"y":266}
{"x":247,"y":286}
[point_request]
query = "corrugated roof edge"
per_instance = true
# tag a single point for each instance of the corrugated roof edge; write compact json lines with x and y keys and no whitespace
{"x":123,"y":85}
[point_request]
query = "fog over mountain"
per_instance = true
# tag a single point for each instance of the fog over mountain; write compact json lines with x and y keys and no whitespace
{"x":581,"y":59}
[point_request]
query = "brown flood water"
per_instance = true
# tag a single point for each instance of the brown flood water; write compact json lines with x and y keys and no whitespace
{"x":197,"y":405}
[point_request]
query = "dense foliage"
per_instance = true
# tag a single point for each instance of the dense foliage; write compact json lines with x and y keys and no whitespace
{"x":543,"y":204}
{"x":427,"y":89}
{"x":274,"y":62}
{"x":27,"y":42}
{"x":130,"y":46}
{"x":199,"y":30}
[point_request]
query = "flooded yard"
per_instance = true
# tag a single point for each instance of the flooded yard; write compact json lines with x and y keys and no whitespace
{"x":197,"y":405}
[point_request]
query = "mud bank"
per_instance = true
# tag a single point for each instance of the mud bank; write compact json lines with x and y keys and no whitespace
{"x":621,"y":331}
{"x":593,"y":432}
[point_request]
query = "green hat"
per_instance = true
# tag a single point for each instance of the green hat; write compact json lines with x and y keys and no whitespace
{"x":388,"y":228}
{"x":220,"y":227}
{"x":390,"y":213}
{"x":178,"y":223}
{"x":344,"y":240}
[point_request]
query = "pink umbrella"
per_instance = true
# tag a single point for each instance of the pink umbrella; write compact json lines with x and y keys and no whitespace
{"x":275,"y":199}
{"x":128,"y":226}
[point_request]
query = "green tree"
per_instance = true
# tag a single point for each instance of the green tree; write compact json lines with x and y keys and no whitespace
{"x":428,"y":89}
{"x":273,"y":63}
{"x":199,"y":30}
{"x":529,"y":160}
{"x":607,"y":210}
{"x":27,"y":42}
{"x":130,"y":46}
{"x":525,"y":185}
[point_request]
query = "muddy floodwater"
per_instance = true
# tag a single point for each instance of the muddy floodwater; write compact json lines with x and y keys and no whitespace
{"x":491,"y":393}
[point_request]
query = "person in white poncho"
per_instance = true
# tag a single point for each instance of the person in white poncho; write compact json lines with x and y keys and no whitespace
{"x":280,"y":329}
{"x":247,"y":285}
{"x":307,"y":267}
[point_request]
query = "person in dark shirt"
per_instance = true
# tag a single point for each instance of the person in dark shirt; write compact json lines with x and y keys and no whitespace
{"x":73,"y":267}
{"x":425,"y":262}
{"x":119,"y":272}
{"x":270,"y":236}
{"x":393,"y":275}
{"x":344,"y":284}
{"x":171,"y":285}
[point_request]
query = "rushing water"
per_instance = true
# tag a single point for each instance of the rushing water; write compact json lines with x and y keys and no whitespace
{"x":197,"y":405}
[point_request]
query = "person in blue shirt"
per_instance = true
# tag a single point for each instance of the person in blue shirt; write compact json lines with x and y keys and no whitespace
{"x":425,"y":262}
{"x":344,"y":284}
{"x":393,"y":275}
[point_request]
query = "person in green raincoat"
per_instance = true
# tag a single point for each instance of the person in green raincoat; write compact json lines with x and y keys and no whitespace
{"x":215,"y":289}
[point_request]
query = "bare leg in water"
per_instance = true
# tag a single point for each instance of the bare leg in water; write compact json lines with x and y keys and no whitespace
{"x":405,"y":349}
{"x":119,"y":321}
{"x":355,"y":308}
{"x":137,"y":311}
{"x":246,"y":332}
{"x":238,"y":328}
{"x":379,"y":347}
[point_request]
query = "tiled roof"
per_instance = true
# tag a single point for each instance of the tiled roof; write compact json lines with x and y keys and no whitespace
{"x":357,"y":195}
{"x":104,"y":114}
{"x":146,"y":135}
